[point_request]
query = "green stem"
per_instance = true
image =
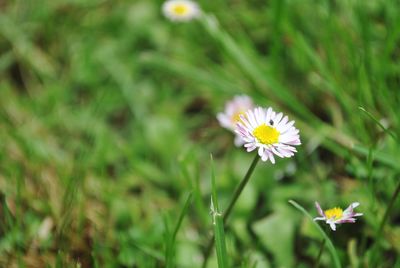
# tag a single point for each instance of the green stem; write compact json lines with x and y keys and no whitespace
{"x":321,"y":249}
{"x":389,"y":209}
{"x":240,"y":188}
{"x":232,"y":203}
{"x":383,"y":222}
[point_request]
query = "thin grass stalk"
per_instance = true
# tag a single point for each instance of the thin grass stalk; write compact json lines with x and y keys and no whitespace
{"x":232,"y":203}
{"x":264,"y":82}
{"x":240,"y":187}
{"x":170,"y":250}
{"x":218,"y":222}
{"x":389,"y":209}
{"x":321,"y":250}
{"x":331,"y":247}
{"x":376,"y":121}
{"x":382,"y":225}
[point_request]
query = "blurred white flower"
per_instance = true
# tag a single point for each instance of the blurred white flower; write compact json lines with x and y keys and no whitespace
{"x":234,"y":108}
{"x":336,"y":215}
{"x":268,"y":131}
{"x":181,"y":10}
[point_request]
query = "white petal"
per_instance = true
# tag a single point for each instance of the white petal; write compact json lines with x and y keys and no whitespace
{"x":278,"y":118}
{"x":269,"y":113}
{"x":282,"y":123}
{"x":238,"y":141}
{"x":261,"y":151}
{"x":320,"y":211}
{"x":271,"y":156}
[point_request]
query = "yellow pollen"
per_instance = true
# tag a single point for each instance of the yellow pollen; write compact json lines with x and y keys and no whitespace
{"x":334,"y":213}
{"x":266,"y":134}
{"x":236,"y":117}
{"x":180,"y":9}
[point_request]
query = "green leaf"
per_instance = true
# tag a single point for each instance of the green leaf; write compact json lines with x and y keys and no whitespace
{"x":277,"y":234}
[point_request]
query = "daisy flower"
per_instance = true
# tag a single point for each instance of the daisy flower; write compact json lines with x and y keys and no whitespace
{"x":269,"y":132}
{"x":336,"y":215}
{"x":180,"y":10}
{"x":233,"y":110}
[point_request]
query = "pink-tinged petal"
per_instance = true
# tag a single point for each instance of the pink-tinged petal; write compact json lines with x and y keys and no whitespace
{"x":288,"y":138}
{"x":241,"y":130}
{"x":289,"y":148}
{"x":350,"y":220}
{"x":293,"y":142}
{"x":264,"y":157}
{"x":284,"y":152}
{"x":320,"y":211}
{"x":261,"y":151}
{"x":246,"y":121}
{"x":350,"y":208}
{"x":238,"y":141}
{"x":250,"y":147}
{"x":349,"y":212}
{"x":270,"y":156}
{"x":276,"y":152}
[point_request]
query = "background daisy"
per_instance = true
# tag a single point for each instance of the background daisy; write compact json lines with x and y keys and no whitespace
{"x":181,"y":10}
{"x":234,"y":108}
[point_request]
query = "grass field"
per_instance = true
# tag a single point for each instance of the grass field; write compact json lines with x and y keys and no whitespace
{"x":108,"y":120}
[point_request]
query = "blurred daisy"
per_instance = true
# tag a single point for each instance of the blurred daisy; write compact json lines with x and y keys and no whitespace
{"x":233,"y":110}
{"x":336,"y":215}
{"x":180,"y":10}
{"x":268,"y":131}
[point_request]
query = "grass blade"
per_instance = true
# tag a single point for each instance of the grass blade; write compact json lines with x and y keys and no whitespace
{"x":387,"y":131}
{"x":218,"y":223}
{"x":170,"y":250}
{"x":329,"y":243}
{"x":182,"y":215}
{"x":265,"y":83}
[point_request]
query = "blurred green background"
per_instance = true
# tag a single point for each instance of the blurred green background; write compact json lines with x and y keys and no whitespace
{"x":108,"y":118}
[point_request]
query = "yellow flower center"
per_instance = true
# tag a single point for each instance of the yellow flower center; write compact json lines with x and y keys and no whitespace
{"x":236,"y":117}
{"x":180,"y":9}
{"x":266,"y":134}
{"x":334,"y":213}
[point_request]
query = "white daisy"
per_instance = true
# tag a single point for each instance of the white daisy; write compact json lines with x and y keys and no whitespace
{"x":233,"y":110}
{"x":180,"y":10}
{"x":336,"y":215}
{"x":268,"y":131}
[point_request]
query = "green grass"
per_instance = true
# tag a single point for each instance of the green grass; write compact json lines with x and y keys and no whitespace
{"x":108,"y":117}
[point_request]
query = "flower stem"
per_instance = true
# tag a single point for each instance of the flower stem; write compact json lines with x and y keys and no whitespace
{"x":321,"y":249}
{"x":232,"y":203}
{"x":240,"y":188}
